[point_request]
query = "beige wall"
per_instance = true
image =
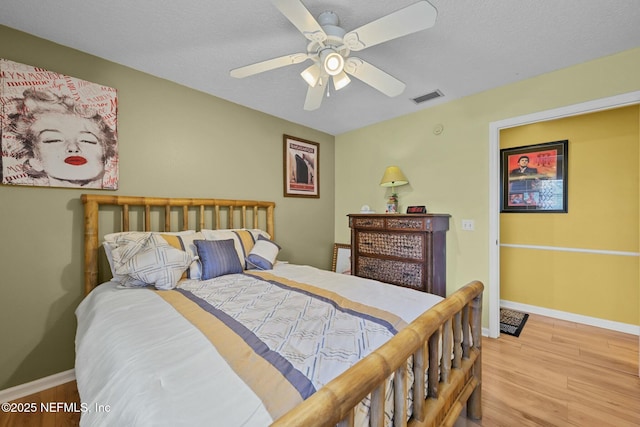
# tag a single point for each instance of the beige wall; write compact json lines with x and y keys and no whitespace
{"x":174,"y":141}
{"x":449,"y":172}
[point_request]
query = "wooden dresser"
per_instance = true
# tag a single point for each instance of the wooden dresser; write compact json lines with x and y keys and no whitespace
{"x":405,"y":250}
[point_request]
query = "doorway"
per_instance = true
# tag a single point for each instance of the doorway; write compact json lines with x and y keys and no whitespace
{"x":617,"y":101}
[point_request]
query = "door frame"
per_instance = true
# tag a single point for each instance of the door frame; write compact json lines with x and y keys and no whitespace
{"x":616,"y":101}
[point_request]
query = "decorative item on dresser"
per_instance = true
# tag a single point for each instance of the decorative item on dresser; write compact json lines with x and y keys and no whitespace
{"x":393,"y":177}
{"x":405,"y":250}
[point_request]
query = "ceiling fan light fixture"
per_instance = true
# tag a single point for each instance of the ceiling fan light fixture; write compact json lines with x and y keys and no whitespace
{"x":332,"y":62}
{"x":329,"y":47}
{"x":311,"y":75}
{"x":341,"y":80}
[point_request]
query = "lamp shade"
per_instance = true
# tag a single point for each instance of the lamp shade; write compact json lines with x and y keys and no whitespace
{"x":311,"y":75}
{"x":341,"y":80}
{"x":392,"y":177}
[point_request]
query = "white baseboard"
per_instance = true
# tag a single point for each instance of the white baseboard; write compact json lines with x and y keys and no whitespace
{"x":572,"y":317}
{"x":22,"y":390}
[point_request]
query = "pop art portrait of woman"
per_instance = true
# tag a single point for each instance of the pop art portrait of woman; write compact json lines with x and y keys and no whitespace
{"x":58,"y":134}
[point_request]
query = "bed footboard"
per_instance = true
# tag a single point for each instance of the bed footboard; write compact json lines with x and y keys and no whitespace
{"x":452,"y":328}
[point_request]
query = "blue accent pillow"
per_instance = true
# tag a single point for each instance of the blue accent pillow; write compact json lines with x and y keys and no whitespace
{"x":218,"y":257}
{"x":263,"y":255}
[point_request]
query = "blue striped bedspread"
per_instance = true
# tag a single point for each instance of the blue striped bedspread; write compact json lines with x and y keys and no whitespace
{"x":284,"y":338}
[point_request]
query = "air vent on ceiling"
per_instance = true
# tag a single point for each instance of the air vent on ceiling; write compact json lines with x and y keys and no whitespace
{"x":428,"y":96}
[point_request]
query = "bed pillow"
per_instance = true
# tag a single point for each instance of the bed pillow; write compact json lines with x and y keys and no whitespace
{"x":120,"y":248}
{"x":218,"y":234}
{"x":263,"y":254}
{"x":157,"y":263}
{"x":243,"y":239}
{"x":124,"y":238}
{"x":218,"y":257}
{"x":185,"y":243}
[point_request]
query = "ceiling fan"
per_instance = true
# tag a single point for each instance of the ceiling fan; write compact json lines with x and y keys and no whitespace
{"x":330,"y":47}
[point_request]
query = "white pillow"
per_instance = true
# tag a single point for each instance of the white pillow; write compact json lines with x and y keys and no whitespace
{"x":185,"y":242}
{"x":120,"y":248}
{"x":129,"y":235}
{"x":124,"y":238}
{"x":263,"y":254}
{"x":157,"y":263}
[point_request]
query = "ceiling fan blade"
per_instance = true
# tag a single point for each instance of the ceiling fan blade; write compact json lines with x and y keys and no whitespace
{"x":314,"y":97}
{"x":419,"y":16}
{"x":299,"y":16}
{"x":269,"y":64}
{"x":374,"y":77}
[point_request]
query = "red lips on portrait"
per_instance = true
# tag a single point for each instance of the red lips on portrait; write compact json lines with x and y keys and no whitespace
{"x":75,"y":160}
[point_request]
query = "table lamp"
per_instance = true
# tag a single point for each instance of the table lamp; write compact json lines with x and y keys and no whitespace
{"x":393,"y":177}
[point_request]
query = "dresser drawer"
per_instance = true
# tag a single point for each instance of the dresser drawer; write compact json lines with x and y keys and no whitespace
{"x":399,"y":245}
{"x":408,"y":223}
{"x":367,"y":222}
{"x":397,"y":272}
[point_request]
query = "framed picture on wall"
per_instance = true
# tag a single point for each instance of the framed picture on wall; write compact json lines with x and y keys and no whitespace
{"x":534,"y":178}
{"x":56,"y":130}
{"x":341,"y":258}
{"x":301,"y":167}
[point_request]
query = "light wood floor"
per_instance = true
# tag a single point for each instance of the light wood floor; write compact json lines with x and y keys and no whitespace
{"x":559,"y":373}
{"x":64,"y":393}
{"x":556,"y":373}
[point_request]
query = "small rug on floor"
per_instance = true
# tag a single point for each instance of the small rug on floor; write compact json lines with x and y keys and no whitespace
{"x":512,"y":322}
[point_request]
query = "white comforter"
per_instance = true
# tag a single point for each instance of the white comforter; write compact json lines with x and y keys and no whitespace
{"x":140,"y":363}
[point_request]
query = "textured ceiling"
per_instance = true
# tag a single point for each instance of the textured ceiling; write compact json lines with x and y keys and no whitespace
{"x":475,"y":45}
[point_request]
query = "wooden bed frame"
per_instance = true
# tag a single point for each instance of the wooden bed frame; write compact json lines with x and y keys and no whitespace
{"x":452,"y":327}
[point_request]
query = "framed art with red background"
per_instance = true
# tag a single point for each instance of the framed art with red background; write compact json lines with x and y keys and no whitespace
{"x":534,"y":178}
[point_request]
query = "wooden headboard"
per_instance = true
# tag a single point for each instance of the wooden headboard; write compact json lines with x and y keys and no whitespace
{"x":206,"y":213}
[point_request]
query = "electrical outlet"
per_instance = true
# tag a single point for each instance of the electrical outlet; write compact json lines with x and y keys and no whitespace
{"x":468,"y":224}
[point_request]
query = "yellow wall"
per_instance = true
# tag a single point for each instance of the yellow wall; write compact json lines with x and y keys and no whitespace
{"x":602,"y":215}
{"x":449,"y":172}
{"x":173,"y":141}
